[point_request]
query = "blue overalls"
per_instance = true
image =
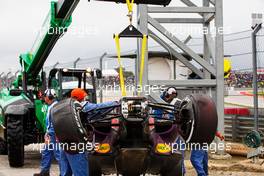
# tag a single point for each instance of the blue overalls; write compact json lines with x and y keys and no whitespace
{"x":74,"y":164}
{"x":199,"y":159}
{"x":51,"y":149}
{"x":77,"y":164}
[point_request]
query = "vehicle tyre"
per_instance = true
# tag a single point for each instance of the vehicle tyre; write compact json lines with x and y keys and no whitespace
{"x":3,"y":147}
{"x":200,"y":119}
{"x":67,"y":124}
{"x":15,"y":143}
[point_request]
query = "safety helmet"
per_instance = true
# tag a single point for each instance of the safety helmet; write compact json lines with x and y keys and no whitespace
{"x":50,"y":93}
{"x":171,"y":90}
{"x":78,"y":94}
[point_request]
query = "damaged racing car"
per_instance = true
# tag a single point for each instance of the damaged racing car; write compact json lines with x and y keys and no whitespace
{"x":130,"y":138}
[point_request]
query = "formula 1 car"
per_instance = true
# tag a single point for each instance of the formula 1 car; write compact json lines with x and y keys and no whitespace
{"x":130,"y":138}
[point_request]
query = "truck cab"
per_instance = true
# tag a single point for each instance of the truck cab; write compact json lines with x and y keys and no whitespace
{"x":64,"y":80}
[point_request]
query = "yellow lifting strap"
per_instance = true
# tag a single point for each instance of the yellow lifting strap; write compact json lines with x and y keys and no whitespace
{"x":130,"y":5}
{"x":142,"y":64}
{"x":122,"y":81}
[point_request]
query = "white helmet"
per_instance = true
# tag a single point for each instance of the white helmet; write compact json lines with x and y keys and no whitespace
{"x":50,"y":93}
{"x":171,"y":90}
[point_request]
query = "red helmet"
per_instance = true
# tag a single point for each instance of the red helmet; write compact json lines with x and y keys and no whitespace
{"x":78,"y":94}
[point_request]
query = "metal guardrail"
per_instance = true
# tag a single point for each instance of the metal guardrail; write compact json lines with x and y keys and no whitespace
{"x":236,"y":127}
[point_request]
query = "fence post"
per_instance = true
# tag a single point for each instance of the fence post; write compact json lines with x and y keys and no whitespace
{"x":101,"y":81}
{"x":255,"y":74}
{"x":7,"y":80}
{"x":1,"y":80}
{"x":75,"y":62}
{"x":234,"y":128}
{"x":16,"y":73}
{"x":55,"y":65}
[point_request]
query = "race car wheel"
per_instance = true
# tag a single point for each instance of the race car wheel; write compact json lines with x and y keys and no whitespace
{"x":68,"y":126}
{"x":199,"y":119}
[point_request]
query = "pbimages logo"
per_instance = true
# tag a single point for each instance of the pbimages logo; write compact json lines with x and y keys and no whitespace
{"x":146,"y":89}
{"x":197,"y":31}
{"x":213,"y":147}
{"x":77,"y":31}
{"x":80,"y":147}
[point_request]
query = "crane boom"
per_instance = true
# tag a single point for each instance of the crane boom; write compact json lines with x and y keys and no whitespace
{"x":55,"y":25}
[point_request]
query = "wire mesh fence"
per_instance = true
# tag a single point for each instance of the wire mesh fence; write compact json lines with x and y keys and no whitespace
{"x":6,"y":81}
{"x":237,"y":47}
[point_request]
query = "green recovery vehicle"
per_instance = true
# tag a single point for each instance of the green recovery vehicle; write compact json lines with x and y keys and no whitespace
{"x":22,"y":116}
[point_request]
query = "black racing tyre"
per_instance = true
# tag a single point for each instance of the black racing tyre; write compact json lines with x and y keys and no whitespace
{"x":15,"y":143}
{"x":3,"y":147}
{"x":68,"y":126}
{"x":200,"y":114}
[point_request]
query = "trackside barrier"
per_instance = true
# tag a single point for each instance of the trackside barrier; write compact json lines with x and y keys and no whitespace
{"x":240,"y":121}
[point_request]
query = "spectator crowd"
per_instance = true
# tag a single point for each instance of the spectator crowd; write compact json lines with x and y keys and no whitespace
{"x":114,"y":80}
{"x":240,"y":79}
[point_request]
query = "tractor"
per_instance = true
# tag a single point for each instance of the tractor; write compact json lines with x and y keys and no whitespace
{"x":23,"y":115}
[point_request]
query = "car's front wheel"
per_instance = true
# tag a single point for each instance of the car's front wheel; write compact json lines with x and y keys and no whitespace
{"x":199,"y":119}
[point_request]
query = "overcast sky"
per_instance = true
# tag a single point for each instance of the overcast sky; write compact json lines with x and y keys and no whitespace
{"x":96,"y":21}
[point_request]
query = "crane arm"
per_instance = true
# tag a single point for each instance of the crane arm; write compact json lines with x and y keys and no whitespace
{"x":56,"y":24}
